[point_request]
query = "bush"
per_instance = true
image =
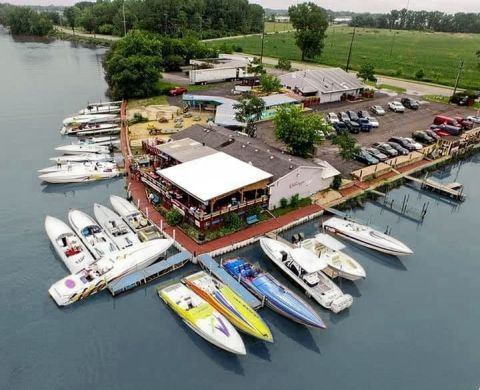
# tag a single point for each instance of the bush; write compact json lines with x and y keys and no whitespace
{"x":284,"y":64}
{"x":420,"y":74}
{"x":283,"y":203}
{"x":174,"y":217}
{"x":337,"y":182}
{"x":232,"y":221}
{"x":237,"y":48}
{"x":106,"y":29}
{"x":294,"y":200}
{"x":255,"y":210}
{"x":137,"y":118}
{"x":173,"y":62}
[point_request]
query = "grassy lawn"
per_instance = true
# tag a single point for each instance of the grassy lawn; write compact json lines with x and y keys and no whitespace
{"x":437,"y":99}
{"x":392,"y":88}
{"x":393,"y":53}
{"x":277,"y":27}
{"x":155,"y":100}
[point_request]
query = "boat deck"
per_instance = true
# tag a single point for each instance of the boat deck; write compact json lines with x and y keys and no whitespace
{"x":210,"y":265}
{"x":150,"y":273}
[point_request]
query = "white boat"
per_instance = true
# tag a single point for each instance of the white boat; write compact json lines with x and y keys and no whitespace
{"x":79,"y":119}
{"x":107,"y":270}
{"x":98,"y":140}
{"x":134,"y":218}
{"x":115,"y":227}
{"x":68,"y":246}
{"x":87,"y":129}
{"x":366,"y":236}
{"x":305,"y":269}
{"x":329,"y":250}
{"x":74,"y":166}
{"x":92,"y":235}
{"x":83,"y":148}
{"x":75,"y":158}
{"x":79,"y":174}
{"x":93,"y":109}
{"x":202,"y":318}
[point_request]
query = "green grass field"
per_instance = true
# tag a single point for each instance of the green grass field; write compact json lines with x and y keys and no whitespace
{"x":393,"y":53}
{"x":277,"y":27}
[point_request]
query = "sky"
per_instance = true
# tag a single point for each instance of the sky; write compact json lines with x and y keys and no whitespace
{"x":352,"y":5}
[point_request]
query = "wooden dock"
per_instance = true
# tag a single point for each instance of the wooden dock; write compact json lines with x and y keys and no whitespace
{"x":434,"y":186}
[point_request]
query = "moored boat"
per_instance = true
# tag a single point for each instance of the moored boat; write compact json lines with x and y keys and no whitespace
{"x":83,"y":148}
{"x":75,"y":158}
{"x":79,"y":119}
{"x":202,"y":318}
{"x":107,"y":269}
{"x":89,"y":129}
{"x":79,"y":174}
{"x":229,"y":304}
{"x":115,"y":227}
{"x":329,"y":250}
{"x":278,"y":297}
{"x":305,"y":269}
{"x":68,"y":246}
{"x":93,"y":109}
{"x":100,"y":165}
{"x":366,"y":236}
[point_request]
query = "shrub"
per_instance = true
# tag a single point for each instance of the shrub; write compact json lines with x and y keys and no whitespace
{"x":283,"y":203}
{"x":174,"y":217}
{"x":294,"y":200}
{"x":420,"y":74}
{"x":337,"y":182}
{"x":232,"y":221}
{"x":237,"y":48}
{"x":173,"y":62}
{"x":255,"y":210}
{"x":106,"y":29}
{"x":138,"y":118}
{"x":284,"y":64}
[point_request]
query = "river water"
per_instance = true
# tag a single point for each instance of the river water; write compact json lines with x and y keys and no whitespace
{"x":413,"y":324}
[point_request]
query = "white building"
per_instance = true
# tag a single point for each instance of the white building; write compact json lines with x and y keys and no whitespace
{"x":328,"y":84}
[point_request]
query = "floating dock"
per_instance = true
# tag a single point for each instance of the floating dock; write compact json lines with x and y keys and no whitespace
{"x":150,"y":273}
{"x":212,"y":267}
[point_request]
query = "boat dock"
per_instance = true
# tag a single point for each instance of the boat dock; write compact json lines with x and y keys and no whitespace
{"x":211,"y":266}
{"x":150,"y":273}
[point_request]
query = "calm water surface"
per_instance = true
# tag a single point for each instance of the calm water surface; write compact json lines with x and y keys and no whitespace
{"x":413,"y":325}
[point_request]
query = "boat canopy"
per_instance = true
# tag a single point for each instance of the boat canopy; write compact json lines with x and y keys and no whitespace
{"x":308,"y":261}
{"x":329,"y":242}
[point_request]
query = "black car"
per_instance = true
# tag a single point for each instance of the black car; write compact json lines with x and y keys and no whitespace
{"x":352,"y":115}
{"x":422,"y":137}
{"x":385,"y":149}
{"x":410,"y":103}
{"x":402,"y":142}
{"x":452,"y":130}
{"x":353,"y":127}
{"x":365,"y":157}
{"x":377,"y":154}
{"x":432,"y":134}
{"x":399,"y":148}
{"x":340,"y":127}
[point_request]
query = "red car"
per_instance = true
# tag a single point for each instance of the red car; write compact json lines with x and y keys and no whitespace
{"x":177,"y":91}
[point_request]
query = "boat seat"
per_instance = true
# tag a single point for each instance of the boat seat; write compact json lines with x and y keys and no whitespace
{"x":311,"y":279}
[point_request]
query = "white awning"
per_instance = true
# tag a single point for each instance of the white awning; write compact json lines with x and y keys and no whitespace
{"x":329,"y":242}
{"x":307,"y":260}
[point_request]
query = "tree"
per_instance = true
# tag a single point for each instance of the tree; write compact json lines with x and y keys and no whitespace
{"x":420,"y":74}
{"x":310,"y":22}
{"x":347,"y":145}
{"x":249,"y":110}
{"x":270,"y":83}
{"x":297,"y":130}
{"x":132,"y":65}
{"x":71,"y":15}
{"x":26,"y":21}
{"x":367,"y":72}
{"x":174,"y":217}
{"x":284,"y":64}
{"x":256,"y":67}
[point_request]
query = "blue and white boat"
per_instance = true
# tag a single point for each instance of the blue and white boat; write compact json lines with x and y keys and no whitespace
{"x":276,"y":296}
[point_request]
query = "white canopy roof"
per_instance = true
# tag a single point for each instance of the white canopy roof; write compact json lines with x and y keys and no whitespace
{"x":329,"y":242}
{"x":307,"y":260}
{"x":212,"y":176}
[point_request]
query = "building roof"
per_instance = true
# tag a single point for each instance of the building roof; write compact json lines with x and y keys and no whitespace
{"x":252,"y":150}
{"x":185,"y":150}
{"x":325,"y":80}
{"x":213,"y":176}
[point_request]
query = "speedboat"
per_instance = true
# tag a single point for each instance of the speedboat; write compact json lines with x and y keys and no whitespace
{"x":73,"y":166}
{"x":83,"y":148}
{"x":115,"y":227}
{"x":74,"y":158}
{"x":92,"y":118}
{"x":305,"y":269}
{"x":85,"y":129}
{"x":108,"y":269}
{"x":93,"y":109}
{"x":92,"y":235}
{"x":79,"y":174}
{"x":202,"y":318}
{"x":68,"y":246}
{"x":329,"y":250}
{"x":275,"y":295}
{"x":134,"y":218}
{"x":105,"y":140}
{"x":366,"y":236}
{"x":229,"y":304}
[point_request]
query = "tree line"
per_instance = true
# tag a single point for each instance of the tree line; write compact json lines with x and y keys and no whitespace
{"x":434,"y":21}
{"x":176,"y":18}
{"x":26,"y":21}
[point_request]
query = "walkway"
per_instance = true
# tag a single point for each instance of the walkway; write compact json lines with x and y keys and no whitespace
{"x":86,"y":35}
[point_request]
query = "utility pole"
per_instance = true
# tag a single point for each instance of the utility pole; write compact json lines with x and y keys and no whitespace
{"x":350,"y":51}
{"x":124,"y":21}
{"x":263,"y":37}
{"x":458,"y":77}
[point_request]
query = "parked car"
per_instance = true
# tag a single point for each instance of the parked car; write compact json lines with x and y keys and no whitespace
{"x":465,"y":123}
{"x":364,"y":124}
{"x":343,"y":116}
{"x":352,"y":115}
{"x":373,"y":121}
{"x":410,"y":103}
{"x":340,"y":127}
{"x":353,"y":127}
{"x":432,"y":134}
{"x":364,"y":157}
{"x":416,"y":145}
{"x":177,"y":91}
{"x":377,"y":110}
{"x":423,"y":137}
{"x":445,"y":120}
{"x":363,"y":114}
{"x":452,"y":130}
{"x":399,"y":148}
{"x":385,"y":149}
{"x":377,"y":154}
{"x":474,"y":118}
{"x":402,"y":142}
{"x":396,"y":106}
{"x":460,"y":100}
{"x":332,"y":118}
